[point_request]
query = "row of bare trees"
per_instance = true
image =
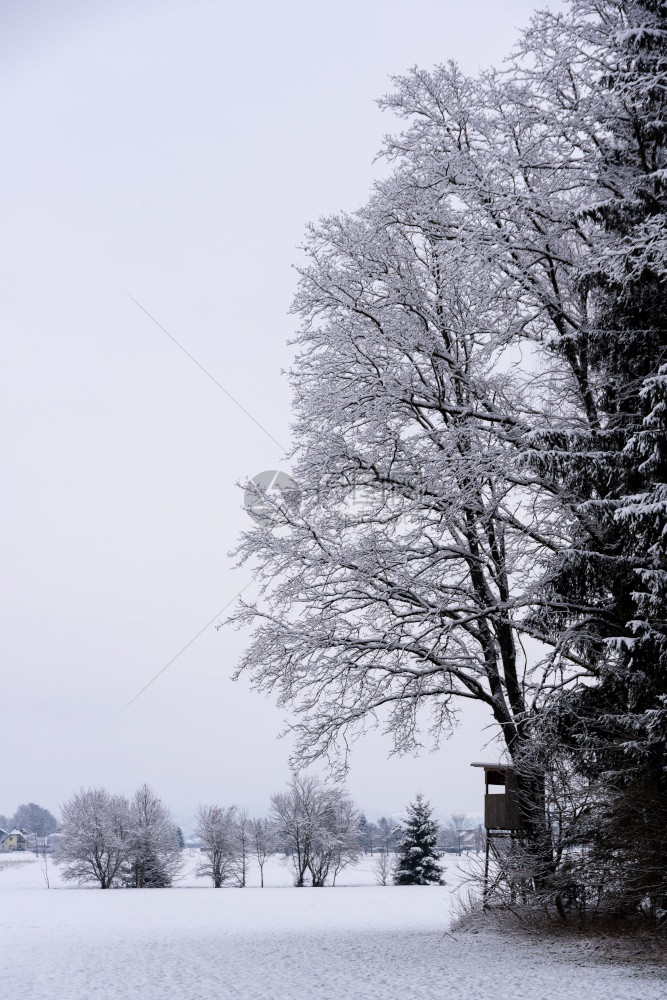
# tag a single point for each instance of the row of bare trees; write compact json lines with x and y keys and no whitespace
{"x":319,"y":829}
{"x":314,"y":824}
{"x":229,"y":839}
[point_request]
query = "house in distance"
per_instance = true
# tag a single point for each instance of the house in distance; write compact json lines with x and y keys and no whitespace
{"x":14,"y":841}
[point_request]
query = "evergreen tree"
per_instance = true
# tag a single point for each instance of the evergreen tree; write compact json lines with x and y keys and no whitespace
{"x":418,"y":859}
{"x":609,"y":588}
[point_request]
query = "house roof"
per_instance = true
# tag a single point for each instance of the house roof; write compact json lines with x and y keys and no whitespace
{"x":493,"y":767}
{"x":13,"y":833}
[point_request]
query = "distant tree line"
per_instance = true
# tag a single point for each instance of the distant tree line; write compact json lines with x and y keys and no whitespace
{"x":313,"y":824}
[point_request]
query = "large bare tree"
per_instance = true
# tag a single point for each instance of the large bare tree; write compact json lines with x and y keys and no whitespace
{"x":95,"y":837}
{"x":217,"y":828}
{"x":448,"y":373}
{"x":318,"y":826}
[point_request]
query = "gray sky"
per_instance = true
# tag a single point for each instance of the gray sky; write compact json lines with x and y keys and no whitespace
{"x":173,"y":152}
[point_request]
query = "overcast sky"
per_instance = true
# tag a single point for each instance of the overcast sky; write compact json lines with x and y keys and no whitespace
{"x":174,"y":153}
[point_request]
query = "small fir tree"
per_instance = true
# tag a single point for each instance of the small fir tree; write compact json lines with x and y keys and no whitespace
{"x":418,"y":858}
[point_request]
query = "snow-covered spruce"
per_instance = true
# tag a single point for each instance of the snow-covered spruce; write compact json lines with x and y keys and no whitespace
{"x":418,"y":858}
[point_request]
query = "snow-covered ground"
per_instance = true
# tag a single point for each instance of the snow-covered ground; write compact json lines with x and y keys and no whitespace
{"x":358,"y":940}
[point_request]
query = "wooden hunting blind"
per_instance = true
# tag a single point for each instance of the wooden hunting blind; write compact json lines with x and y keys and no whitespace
{"x":501,"y":798}
{"x":501,"y":815}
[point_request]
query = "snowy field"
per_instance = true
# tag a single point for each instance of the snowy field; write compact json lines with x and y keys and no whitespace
{"x":358,"y":940}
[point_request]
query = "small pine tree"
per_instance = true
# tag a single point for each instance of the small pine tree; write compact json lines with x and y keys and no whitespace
{"x":418,"y":858}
